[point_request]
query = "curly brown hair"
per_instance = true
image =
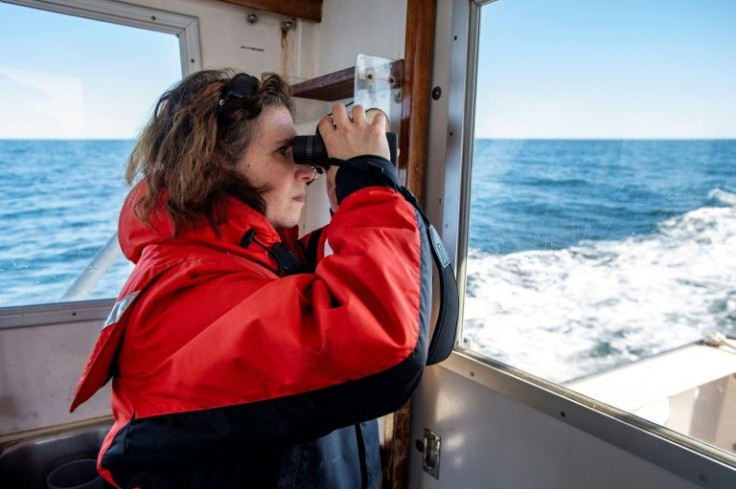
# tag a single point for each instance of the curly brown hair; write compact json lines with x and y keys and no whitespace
{"x":188,"y":150}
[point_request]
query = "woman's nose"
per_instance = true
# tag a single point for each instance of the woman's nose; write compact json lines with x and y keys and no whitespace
{"x":306,"y":173}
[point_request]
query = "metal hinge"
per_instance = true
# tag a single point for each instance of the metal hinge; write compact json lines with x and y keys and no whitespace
{"x":431,"y":453}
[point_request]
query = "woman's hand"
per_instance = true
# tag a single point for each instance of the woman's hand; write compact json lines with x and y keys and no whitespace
{"x":347,"y":137}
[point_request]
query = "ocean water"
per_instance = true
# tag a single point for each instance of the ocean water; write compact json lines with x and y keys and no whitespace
{"x":59,"y":202}
{"x":585,"y":255}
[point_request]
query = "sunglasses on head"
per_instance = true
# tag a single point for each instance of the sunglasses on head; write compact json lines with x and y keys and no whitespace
{"x":240,"y":86}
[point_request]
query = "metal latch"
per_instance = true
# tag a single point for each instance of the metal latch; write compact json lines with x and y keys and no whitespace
{"x":431,"y":456}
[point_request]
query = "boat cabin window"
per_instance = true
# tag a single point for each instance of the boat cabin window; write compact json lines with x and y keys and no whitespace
{"x":75,"y":93}
{"x":601,"y":231}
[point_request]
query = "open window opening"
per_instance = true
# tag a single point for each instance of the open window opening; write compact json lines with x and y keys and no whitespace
{"x":602,"y":205}
{"x":78,"y":81}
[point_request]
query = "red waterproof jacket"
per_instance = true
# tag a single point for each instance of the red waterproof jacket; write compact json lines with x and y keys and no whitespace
{"x":214,"y":351}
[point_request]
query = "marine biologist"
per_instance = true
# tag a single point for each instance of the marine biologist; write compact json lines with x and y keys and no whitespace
{"x":241,"y":355}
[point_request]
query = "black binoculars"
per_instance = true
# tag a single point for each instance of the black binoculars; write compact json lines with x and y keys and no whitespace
{"x":310,"y":150}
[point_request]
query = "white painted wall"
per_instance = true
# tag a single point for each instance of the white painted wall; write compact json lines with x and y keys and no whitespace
{"x":226,"y":37}
{"x":39,"y":370}
{"x":492,"y":441}
{"x":348,"y":28}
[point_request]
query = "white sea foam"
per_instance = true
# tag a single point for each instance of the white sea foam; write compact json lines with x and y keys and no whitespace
{"x":726,"y":197}
{"x":564,"y":314}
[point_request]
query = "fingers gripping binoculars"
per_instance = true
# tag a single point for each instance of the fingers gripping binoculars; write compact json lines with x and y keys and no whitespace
{"x":310,"y":150}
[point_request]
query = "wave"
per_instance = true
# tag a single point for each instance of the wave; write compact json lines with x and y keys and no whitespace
{"x":723,"y":196}
{"x":567,"y":313}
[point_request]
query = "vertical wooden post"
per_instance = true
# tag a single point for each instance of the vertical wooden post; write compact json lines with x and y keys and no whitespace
{"x":413,"y":143}
{"x":416,"y":92}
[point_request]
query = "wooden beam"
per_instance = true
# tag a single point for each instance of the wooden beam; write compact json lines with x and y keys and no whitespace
{"x":395,"y":452}
{"x":339,"y":84}
{"x":416,"y":91}
{"x":301,"y":9}
{"x":333,"y":86}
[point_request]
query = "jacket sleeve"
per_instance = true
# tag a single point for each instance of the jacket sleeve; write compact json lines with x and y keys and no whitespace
{"x":302,"y":355}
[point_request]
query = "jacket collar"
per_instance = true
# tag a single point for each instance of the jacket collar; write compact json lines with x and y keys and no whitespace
{"x":241,"y":221}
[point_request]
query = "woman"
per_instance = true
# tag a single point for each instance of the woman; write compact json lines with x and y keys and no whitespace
{"x":241,"y":356}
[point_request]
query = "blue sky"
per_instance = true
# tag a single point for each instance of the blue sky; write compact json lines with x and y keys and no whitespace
{"x":548,"y":69}
{"x":610,"y":69}
{"x":66,"y":77}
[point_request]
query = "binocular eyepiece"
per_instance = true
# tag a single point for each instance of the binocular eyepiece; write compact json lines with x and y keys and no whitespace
{"x":310,"y":150}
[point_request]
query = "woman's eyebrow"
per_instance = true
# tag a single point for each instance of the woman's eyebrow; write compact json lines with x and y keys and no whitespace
{"x":288,"y":141}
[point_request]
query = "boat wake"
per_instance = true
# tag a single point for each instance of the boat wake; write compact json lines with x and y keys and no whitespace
{"x":567,"y":313}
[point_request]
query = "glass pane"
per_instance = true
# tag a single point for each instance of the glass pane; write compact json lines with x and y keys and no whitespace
{"x":602,"y":243}
{"x":74,"y":93}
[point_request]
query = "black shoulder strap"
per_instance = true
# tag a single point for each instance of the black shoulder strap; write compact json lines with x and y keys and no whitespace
{"x":445,"y":330}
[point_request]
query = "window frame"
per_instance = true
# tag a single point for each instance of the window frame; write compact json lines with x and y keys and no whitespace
{"x":456,"y":61}
{"x":186,"y":28}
